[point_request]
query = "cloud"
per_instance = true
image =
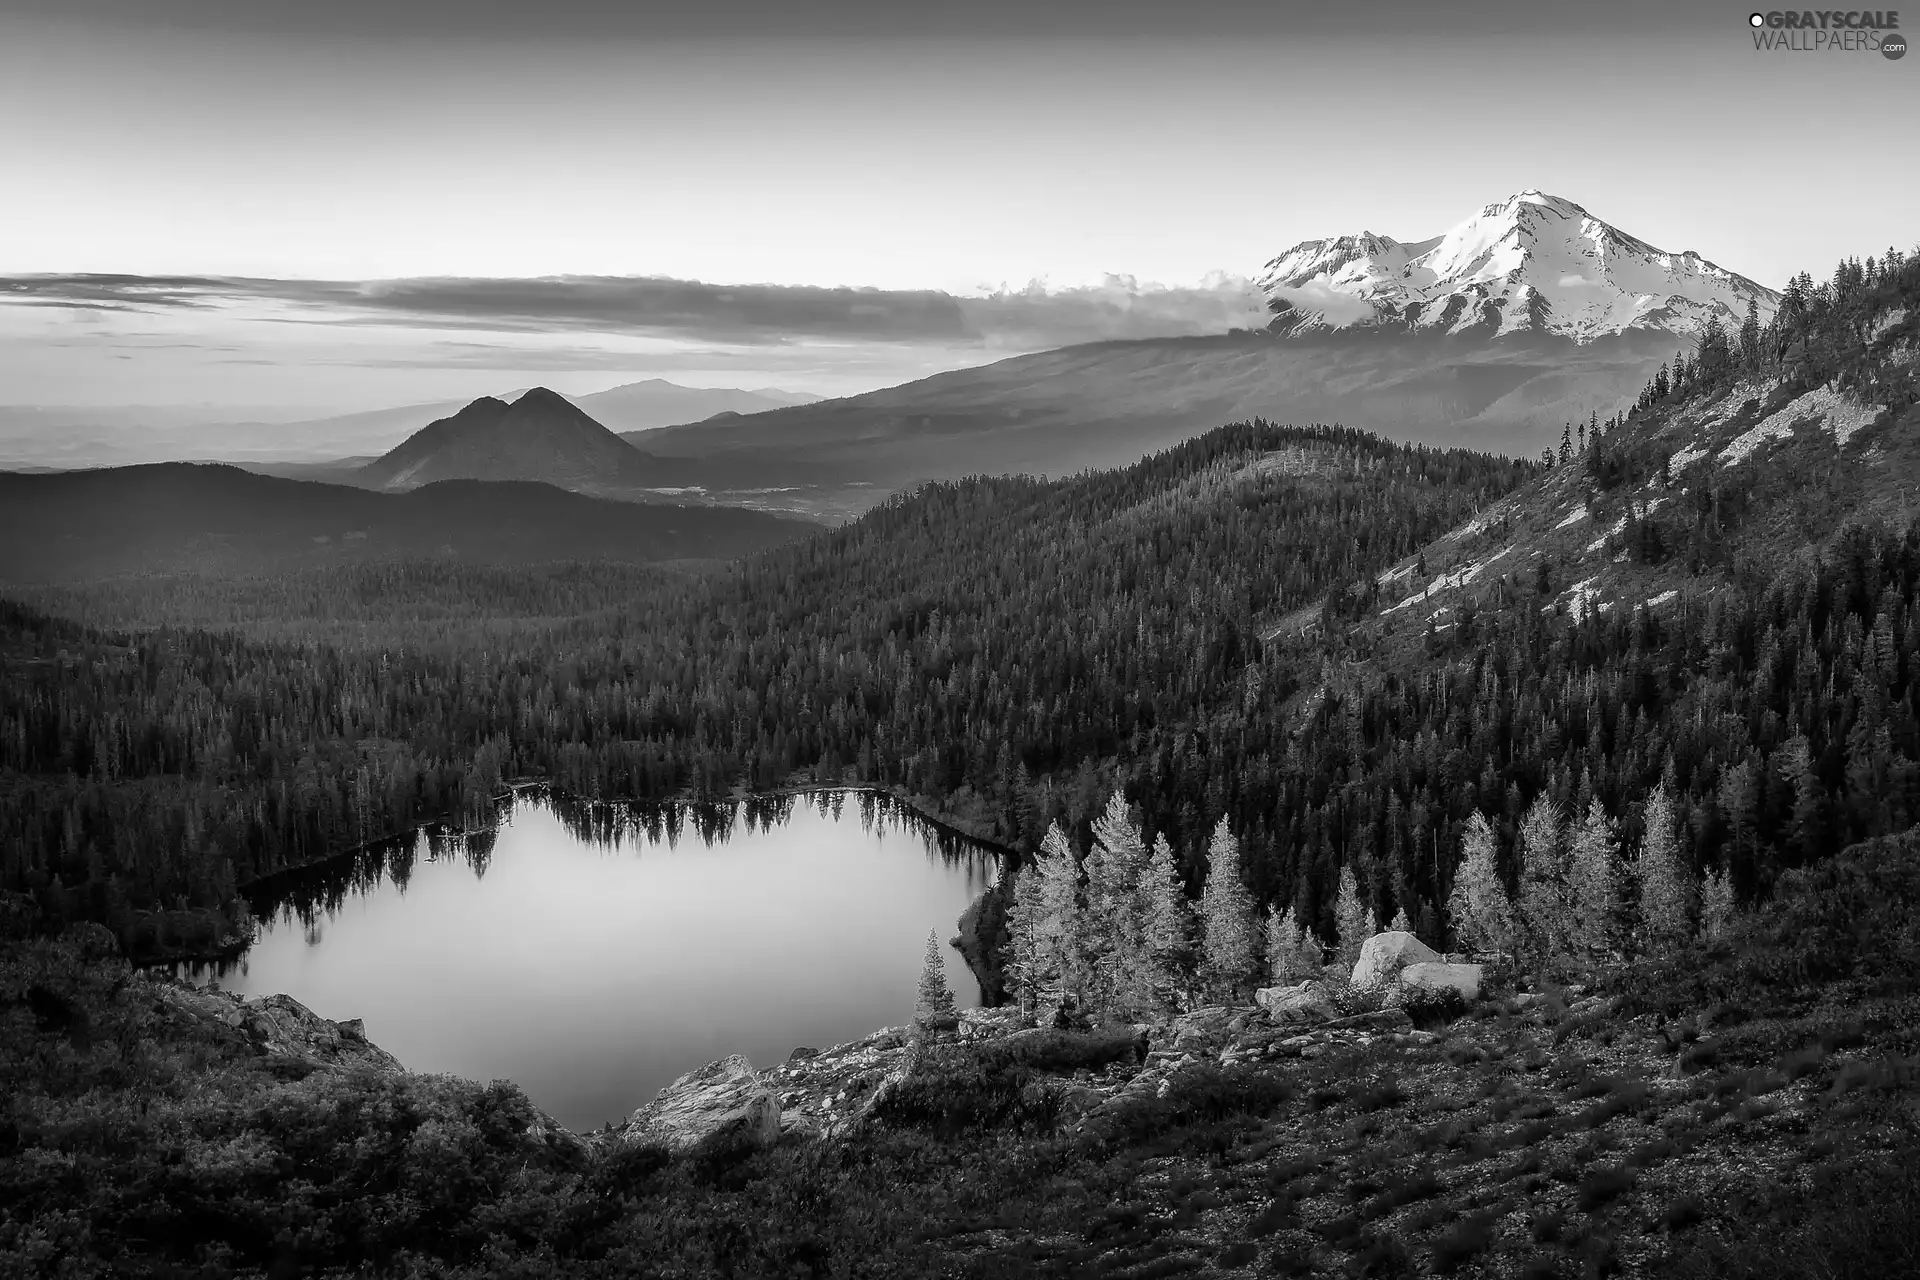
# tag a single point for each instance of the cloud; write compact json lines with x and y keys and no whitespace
{"x":1035,"y":317}
{"x":1337,"y":307}
{"x":1117,"y":307}
{"x":1567,"y":282}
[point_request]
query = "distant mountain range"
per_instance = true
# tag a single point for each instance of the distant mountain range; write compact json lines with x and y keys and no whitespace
{"x":173,"y":517}
{"x":1526,"y":315}
{"x":35,"y":436}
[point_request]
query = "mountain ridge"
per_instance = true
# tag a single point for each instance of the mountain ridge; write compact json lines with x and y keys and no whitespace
{"x":1529,"y":263}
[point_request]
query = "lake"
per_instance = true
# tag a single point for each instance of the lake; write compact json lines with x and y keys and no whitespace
{"x":592,"y":953}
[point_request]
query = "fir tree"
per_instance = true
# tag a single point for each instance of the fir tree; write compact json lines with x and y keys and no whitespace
{"x":1227,"y":915}
{"x":1400,"y":922}
{"x":1060,"y":949}
{"x":1545,"y":894}
{"x":1350,"y":918}
{"x":1481,"y":912}
{"x":1666,"y":889}
{"x":1169,"y":920}
{"x":1115,"y":935}
{"x":1716,"y":905}
{"x":1594,"y":883}
{"x":933,"y":1008}
{"x":1026,"y":922}
{"x":1292,"y":956}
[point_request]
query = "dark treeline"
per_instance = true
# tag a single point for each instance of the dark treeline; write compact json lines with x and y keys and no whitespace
{"x":991,"y":644}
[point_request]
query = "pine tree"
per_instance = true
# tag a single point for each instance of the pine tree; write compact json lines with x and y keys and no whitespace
{"x":1026,"y":922}
{"x":1169,"y":921}
{"x":1716,"y":905}
{"x":1350,"y":917}
{"x":1666,"y":888}
{"x":1115,"y":934}
{"x":933,"y":1008}
{"x":1593,"y":877}
{"x":1545,"y":895}
{"x":1226,"y":913}
{"x":1292,"y":956}
{"x":1060,"y":949}
{"x":1481,"y":912}
{"x":1400,"y":922}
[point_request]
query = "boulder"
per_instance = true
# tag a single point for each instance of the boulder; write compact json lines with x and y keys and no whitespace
{"x":1307,"y":1002}
{"x":1203,"y":1028}
{"x":1439,"y":978}
{"x":1384,"y":955}
{"x":721,"y":1098}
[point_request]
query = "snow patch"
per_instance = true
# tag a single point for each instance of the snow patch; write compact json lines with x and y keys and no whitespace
{"x":1843,"y":418}
{"x":1573,"y":517}
{"x":1449,"y":581}
{"x":1662,"y":598}
{"x":1685,"y":458}
{"x":1580,"y":597}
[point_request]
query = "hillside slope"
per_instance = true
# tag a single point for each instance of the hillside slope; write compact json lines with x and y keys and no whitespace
{"x":217,"y":519}
{"x":1106,"y":404}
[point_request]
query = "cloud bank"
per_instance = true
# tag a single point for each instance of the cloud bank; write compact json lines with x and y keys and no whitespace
{"x":1033,"y":318}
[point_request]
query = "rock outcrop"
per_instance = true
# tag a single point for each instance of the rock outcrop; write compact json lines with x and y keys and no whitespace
{"x":280,"y":1026}
{"x":1301,"y":1005}
{"x":1384,"y":955}
{"x":720,"y":1101}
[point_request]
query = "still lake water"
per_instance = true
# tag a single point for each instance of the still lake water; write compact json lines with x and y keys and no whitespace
{"x":593,"y":953}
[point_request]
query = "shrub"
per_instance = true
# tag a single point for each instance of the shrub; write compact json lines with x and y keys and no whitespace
{"x":1200,"y":1095}
{"x":1470,"y":1237}
{"x":1604,"y":1185}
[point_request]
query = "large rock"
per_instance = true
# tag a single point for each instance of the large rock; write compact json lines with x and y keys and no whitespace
{"x":721,"y":1098}
{"x":1384,"y":955}
{"x":1203,"y":1028}
{"x":1439,"y":978}
{"x":1304,"y":1003}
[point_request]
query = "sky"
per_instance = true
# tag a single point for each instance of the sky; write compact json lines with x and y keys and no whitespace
{"x":305,"y":209}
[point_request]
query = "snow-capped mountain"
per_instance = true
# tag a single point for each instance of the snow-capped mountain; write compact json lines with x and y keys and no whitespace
{"x":1532,"y":263}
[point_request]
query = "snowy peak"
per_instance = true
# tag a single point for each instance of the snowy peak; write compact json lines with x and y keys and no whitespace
{"x":1532,"y":263}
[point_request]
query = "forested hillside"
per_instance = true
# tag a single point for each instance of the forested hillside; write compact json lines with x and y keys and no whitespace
{"x":960,"y":644}
{"x":1212,"y":630}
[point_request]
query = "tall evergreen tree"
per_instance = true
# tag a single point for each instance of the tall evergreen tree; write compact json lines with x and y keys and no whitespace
{"x":1061,"y":949}
{"x":1716,"y":905}
{"x":1546,"y":906}
{"x":1169,"y":921}
{"x":1293,"y":956}
{"x":1227,"y":916}
{"x":1481,"y":912}
{"x":1593,"y":877}
{"x":1115,"y":935}
{"x":1666,"y":887}
{"x":933,"y":1008}
{"x":1350,"y":919}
